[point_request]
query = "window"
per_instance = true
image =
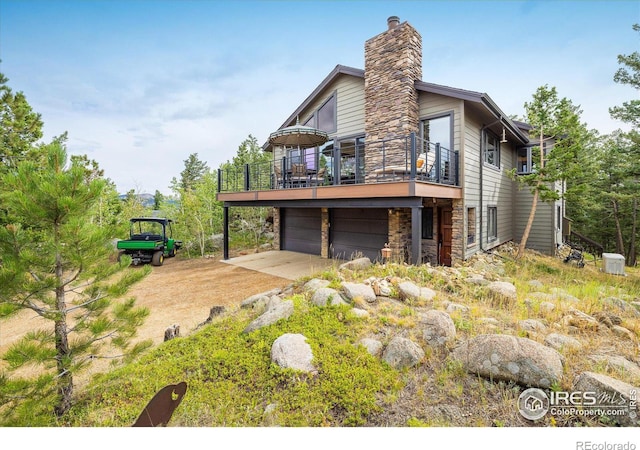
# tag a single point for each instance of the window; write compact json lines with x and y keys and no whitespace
{"x":559,"y":218}
{"x":438,"y":131}
{"x":307,"y":156}
{"x":524,"y":160}
{"x":327,"y":115}
{"x":427,"y":223}
{"x":528,"y":158}
{"x":471,"y":226}
{"x":491,"y":146}
{"x":492,"y":223}
{"x":352,"y":159}
{"x":326,"y":153}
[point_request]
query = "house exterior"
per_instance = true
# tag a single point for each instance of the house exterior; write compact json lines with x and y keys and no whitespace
{"x":420,"y":168}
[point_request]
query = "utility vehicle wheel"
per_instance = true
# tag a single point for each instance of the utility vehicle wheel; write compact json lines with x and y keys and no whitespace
{"x":172,"y":253}
{"x":158,"y":258}
{"x":120,"y":254}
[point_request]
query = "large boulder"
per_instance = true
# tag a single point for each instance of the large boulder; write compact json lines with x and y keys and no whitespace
{"x":411,"y":291}
{"x":277,"y":310}
{"x":262,"y":297}
{"x":315,"y":284}
{"x":358,"y":290}
{"x":610,"y":392}
{"x":356,"y":264}
{"x":373,"y":346}
{"x":619,"y":364}
{"x":510,"y":358}
{"x":293,"y":352}
{"x":437,"y":328}
{"x":578,"y":319}
{"x":402,"y":353}
{"x":502,"y":290}
{"x":562,"y":341}
{"x":327,"y":296}
{"x":532,"y":325}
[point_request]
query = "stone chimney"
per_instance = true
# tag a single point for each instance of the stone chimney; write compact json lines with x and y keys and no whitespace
{"x":392,"y":64}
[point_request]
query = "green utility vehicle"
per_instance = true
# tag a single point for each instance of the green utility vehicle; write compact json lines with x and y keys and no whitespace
{"x":150,"y":241}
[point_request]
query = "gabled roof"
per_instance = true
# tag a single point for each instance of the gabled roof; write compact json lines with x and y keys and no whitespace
{"x":462,"y":94}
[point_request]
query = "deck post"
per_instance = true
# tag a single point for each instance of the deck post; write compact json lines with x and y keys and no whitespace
{"x":438,"y":162}
{"x":247,"y":183}
{"x":337,"y":163}
{"x":416,"y":235}
{"x":412,"y":149}
{"x":225,"y":231}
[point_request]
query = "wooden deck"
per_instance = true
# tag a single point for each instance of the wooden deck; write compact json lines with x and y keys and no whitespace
{"x":357,"y":191}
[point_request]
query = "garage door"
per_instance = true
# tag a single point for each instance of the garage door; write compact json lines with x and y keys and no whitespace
{"x":301,"y":230}
{"x":361,"y":230}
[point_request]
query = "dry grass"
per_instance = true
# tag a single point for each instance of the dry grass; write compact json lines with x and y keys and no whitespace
{"x":440,"y":393}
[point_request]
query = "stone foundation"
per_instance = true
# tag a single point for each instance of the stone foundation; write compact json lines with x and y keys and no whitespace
{"x":276,"y":228}
{"x":400,"y":234}
{"x":324,"y":249}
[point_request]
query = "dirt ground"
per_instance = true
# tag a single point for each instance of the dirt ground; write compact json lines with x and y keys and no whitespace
{"x":179,"y":292}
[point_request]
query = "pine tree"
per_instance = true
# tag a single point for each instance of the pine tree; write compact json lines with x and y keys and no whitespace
{"x":629,"y":112}
{"x":54,"y":261}
{"x":194,"y":170}
{"x":20,"y":126}
{"x":561,"y":139}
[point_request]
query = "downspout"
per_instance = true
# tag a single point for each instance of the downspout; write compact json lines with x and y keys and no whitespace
{"x":481,"y":173}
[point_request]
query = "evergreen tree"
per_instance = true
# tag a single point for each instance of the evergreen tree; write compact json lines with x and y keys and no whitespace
{"x":54,"y":261}
{"x":158,"y":198}
{"x":194,"y":170}
{"x":561,"y":139}
{"x":629,"y":112}
{"x":629,"y":74}
{"x":20,"y":126}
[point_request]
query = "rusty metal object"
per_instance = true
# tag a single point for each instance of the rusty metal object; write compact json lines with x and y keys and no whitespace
{"x":159,"y":410}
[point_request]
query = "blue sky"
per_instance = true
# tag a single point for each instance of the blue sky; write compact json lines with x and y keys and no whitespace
{"x":140,"y":85}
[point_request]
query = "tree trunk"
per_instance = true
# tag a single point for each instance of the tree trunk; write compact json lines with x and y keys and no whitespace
{"x":631,"y":257}
{"x":527,"y":229}
{"x":616,"y":217}
{"x":63,"y":356}
{"x":534,"y":203}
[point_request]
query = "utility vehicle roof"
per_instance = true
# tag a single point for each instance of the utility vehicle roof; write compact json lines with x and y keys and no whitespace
{"x":151,"y":219}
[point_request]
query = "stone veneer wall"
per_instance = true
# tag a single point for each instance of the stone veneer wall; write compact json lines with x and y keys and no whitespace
{"x":400,"y":234}
{"x":276,"y":228}
{"x":393,"y":62}
{"x":458,"y":243}
{"x":324,"y":249}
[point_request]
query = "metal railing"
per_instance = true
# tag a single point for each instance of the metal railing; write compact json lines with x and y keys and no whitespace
{"x":397,"y":159}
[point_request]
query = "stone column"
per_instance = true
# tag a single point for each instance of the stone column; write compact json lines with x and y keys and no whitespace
{"x":276,"y":228}
{"x":458,"y":243}
{"x":324,"y":246}
{"x":393,"y":63}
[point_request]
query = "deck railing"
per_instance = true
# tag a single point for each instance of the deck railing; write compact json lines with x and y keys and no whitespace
{"x":398,"y":159}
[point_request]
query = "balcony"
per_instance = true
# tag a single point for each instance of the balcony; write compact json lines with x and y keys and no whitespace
{"x":397,"y":160}
{"x":392,"y":168}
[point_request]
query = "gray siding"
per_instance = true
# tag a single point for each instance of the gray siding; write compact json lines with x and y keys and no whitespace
{"x":542,"y":235}
{"x":431,"y":105}
{"x":349,"y":104}
{"x":497,"y":188}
